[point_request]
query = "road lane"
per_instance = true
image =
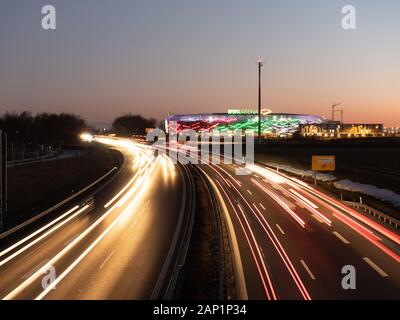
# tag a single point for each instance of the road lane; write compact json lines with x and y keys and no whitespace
{"x":314,"y":244}
{"x":152,"y":198}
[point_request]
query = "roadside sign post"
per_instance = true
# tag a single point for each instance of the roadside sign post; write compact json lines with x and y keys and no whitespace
{"x":322,"y":163}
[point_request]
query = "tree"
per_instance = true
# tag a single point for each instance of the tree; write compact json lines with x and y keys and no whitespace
{"x":44,"y":128}
{"x":130,"y":124}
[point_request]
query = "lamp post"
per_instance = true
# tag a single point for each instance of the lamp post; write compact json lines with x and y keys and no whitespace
{"x":260,"y":65}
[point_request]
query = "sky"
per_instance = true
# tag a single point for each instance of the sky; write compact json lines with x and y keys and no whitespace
{"x":151,"y":57}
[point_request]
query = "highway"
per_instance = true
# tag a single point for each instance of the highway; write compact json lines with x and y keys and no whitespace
{"x":113,"y":245}
{"x":288,"y":239}
{"x":292,"y":241}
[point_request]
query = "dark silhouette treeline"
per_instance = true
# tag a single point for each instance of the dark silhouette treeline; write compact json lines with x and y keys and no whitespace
{"x":42,"y":128}
{"x":130,"y":124}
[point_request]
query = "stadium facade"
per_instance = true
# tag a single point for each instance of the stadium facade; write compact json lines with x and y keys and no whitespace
{"x":272,"y":124}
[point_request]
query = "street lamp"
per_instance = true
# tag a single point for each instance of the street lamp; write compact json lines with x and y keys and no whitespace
{"x":260,"y":65}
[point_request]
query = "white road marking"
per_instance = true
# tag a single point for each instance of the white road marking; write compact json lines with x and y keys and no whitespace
{"x":262,"y":206}
{"x":280,"y":229}
{"x":375,"y":267}
{"x":249,"y":192}
{"x":107,"y":259}
{"x":308,"y":270}
{"x":343,"y":239}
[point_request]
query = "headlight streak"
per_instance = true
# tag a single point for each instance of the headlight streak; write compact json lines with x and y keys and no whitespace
{"x":138,"y":183}
{"x":272,"y":176}
{"x":122,"y":190}
{"x":126,"y":211}
{"x":145,"y":172}
{"x":57,"y":257}
{"x":311,"y":207}
{"x":281,"y":203}
{"x":17,"y":244}
{"x":30,"y":244}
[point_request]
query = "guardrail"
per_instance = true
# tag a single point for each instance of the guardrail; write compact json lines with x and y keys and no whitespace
{"x":222,"y":272}
{"x":32,"y":160}
{"x":173,"y":268}
{"x":376,"y":213}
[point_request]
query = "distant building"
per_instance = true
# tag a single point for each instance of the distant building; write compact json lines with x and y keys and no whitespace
{"x":336,"y":129}
{"x":272,"y":124}
{"x":392,"y":132}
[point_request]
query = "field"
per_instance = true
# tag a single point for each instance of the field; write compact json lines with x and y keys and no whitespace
{"x":33,"y":188}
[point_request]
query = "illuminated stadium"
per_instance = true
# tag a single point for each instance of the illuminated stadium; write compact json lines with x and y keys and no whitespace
{"x":272,"y":124}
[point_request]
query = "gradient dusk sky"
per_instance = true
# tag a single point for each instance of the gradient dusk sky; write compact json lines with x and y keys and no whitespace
{"x":187,"y":56}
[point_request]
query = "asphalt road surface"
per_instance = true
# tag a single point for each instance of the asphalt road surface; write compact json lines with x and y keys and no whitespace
{"x":294,"y":242}
{"x":289,"y":240}
{"x":111,"y":247}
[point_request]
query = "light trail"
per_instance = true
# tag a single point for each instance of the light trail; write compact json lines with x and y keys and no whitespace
{"x":310,"y":206}
{"x":17,"y":244}
{"x":23,"y":249}
{"x":144,"y":188}
{"x":139,"y":183}
{"x":281,"y":203}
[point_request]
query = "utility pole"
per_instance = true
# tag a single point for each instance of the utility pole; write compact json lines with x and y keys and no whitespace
{"x":334,"y":105}
{"x":3,"y":177}
{"x":260,"y":65}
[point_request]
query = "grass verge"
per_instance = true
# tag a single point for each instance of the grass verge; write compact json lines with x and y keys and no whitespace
{"x":209,"y":258}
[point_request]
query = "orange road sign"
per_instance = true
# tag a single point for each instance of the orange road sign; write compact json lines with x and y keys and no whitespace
{"x":323,"y":163}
